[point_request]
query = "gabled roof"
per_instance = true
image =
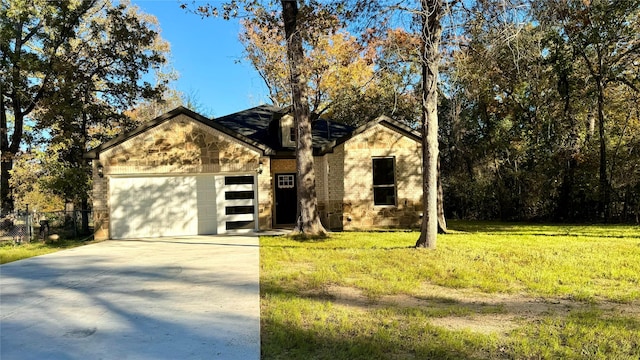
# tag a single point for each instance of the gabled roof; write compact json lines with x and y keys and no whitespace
{"x":383,"y":120}
{"x":256,"y":128}
{"x":181,"y":110}
{"x":256,"y":124}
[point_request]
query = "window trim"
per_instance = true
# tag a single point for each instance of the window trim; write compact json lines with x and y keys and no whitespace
{"x":394,"y":185}
{"x":285,"y":181}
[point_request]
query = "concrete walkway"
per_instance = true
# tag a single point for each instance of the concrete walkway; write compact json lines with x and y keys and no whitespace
{"x":168,"y":298}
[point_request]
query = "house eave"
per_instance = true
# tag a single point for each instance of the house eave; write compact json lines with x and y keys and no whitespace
{"x":382,"y":120}
{"x":181,"y":110}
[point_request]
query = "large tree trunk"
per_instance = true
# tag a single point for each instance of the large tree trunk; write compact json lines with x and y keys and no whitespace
{"x":430,"y":58}
{"x":5,"y":159}
{"x":8,"y":148}
{"x":566,"y":205}
{"x":308,"y":220}
{"x":7,"y":201}
{"x":84,"y":202}
{"x":605,"y":193}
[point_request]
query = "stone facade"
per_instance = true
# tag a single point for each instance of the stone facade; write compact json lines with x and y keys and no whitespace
{"x":344,"y":182}
{"x":181,"y":146}
{"x":344,"y":179}
{"x":265,"y":194}
{"x":100,"y":198}
{"x":347,"y":197}
{"x":283,"y":166}
{"x":178,"y":146}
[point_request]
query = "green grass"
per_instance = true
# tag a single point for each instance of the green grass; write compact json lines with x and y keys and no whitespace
{"x":10,"y":252}
{"x":565,"y":292}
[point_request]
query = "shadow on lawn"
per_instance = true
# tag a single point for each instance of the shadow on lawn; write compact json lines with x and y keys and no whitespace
{"x":356,"y":327}
{"x":619,"y":231}
{"x":283,"y":341}
{"x":321,"y":246}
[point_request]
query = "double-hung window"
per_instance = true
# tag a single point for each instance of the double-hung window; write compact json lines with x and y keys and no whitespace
{"x":384,"y":181}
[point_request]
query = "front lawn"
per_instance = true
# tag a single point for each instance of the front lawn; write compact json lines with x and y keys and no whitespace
{"x":9,"y":251}
{"x":489,"y":290}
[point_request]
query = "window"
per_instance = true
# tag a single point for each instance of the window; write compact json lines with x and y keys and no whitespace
{"x":238,"y":180}
{"x":384,"y":181}
{"x":286,"y":181}
{"x":238,"y":195}
{"x":239,"y":225}
{"x":236,"y":210}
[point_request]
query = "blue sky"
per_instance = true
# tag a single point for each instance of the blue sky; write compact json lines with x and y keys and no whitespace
{"x":205,"y":54}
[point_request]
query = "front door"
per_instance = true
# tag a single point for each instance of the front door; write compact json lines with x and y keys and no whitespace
{"x":286,"y":199}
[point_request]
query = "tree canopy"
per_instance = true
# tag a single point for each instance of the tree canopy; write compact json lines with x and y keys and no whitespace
{"x":69,"y":70}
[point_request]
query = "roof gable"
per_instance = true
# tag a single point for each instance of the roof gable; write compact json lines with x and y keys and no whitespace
{"x":259,"y":124}
{"x":94,"y":153}
{"x":381,"y":120}
{"x":254,"y":127}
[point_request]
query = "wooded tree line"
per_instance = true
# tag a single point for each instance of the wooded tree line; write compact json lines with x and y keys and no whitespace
{"x":543,"y":122}
{"x":72,"y":75}
{"x":537,"y":101}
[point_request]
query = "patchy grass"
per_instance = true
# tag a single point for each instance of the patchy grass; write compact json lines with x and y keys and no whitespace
{"x":11,"y":252}
{"x":489,"y":290}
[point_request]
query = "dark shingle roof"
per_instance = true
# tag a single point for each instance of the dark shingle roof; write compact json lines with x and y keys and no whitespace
{"x":326,"y":131}
{"x":256,"y":124}
{"x":256,"y":127}
{"x":253,"y":123}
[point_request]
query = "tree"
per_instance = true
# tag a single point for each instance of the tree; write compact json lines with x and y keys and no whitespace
{"x":28,"y":178}
{"x":502,"y":131}
{"x":72,"y":68}
{"x":308,"y":222}
{"x":348,"y":80}
{"x":431,"y":14}
{"x":308,"y":219}
{"x":524,"y":143}
{"x":604,"y":34}
{"x":31,"y":36}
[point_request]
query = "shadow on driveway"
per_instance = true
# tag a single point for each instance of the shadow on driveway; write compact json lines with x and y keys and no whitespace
{"x":170,"y":298}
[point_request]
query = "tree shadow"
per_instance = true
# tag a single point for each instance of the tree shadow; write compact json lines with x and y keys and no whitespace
{"x":432,"y":326}
{"x":113,"y":301}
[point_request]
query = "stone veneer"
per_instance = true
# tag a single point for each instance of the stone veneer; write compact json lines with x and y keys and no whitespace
{"x":178,"y":146}
{"x":345,"y":182}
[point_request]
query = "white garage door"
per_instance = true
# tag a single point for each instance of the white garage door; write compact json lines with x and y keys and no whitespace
{"x":157,"y":206}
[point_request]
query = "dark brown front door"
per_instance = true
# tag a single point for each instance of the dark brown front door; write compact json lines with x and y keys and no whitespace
{"x":286,"y":199}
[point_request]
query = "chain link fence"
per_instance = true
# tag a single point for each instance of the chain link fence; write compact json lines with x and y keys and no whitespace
{"x":26,"y":226}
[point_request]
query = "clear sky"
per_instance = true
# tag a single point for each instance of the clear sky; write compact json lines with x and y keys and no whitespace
{"x":205,"y":52}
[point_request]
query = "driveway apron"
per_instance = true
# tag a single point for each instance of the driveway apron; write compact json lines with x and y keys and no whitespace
{"x":166,"y":298}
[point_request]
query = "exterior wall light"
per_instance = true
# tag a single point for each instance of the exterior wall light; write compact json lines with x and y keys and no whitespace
{"x":100,"y":170}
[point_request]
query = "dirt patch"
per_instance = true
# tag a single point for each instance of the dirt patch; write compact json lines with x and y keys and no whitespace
{"x":484,"y":324}
{"x":475,"y":311}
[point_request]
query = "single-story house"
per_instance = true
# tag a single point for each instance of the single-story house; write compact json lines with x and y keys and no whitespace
{"x":185,"y":174}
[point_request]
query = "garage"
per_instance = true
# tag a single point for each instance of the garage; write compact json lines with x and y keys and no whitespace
{"x":182,"y":205}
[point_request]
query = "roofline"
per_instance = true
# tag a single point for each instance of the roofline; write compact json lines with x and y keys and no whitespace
{"x":180,"y":110}
{"x":389,"y":122}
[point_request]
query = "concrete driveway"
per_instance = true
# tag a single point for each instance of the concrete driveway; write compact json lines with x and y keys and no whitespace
{"x":167,"y":298}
